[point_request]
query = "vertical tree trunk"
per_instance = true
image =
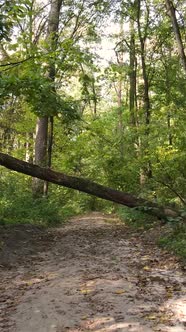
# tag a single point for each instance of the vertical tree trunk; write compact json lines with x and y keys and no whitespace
{"x":133,"y":107}
{"x":146,"y":99}
{"x":29,"y":148}
{"x":172,"y":14}
{"x":40,"y":152}
{"x":132,"y":93}
{"x":43,"y":156}
{"x":120,"y":104}
{"x":50,"y":145}
{"x":168,"y":102}
{"x":120,"y":115}
{"x":119,"y":90}
{"x":94,"y":97}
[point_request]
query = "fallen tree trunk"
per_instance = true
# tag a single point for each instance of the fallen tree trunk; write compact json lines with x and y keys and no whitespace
{"x":86,"y":186}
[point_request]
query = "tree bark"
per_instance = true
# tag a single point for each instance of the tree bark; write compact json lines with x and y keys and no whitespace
{"x":86,"y":186}
{"x":40,"y":153}
{"x":168,"y":102}
{"x":146,"y":99}
{"x":171,"y":11}
{"x":142,"y":39}
{"x":43,"y":158}
{"x":132,"y":75}
{"x":29,"y":147}
{"x":119,"y":90}
{"x":50,"y":147}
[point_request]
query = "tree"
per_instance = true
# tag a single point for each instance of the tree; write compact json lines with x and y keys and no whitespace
{"x":147,"y":170}
{"x":81,"y":26}
{"x":172,"y":13}
{"x":43,"y":140}
{"x":132,"y":74}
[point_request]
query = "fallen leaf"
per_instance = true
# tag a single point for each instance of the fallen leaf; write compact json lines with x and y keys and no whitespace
{"x":151,"y":317}
{"x":85,"y":291}
{"x":169,"y":295}
{"x":144,"y":258}
{"x":146,"y":268}
{"x":120,"y":291}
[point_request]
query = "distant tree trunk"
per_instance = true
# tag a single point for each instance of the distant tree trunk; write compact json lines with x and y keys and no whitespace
{"x":168,"y":101}
{"x":146,"y":98}
{"x":29,"y":148}
{"x":172,"y":14}
{"x":8,"y":139}
{"x":119,"y":90}
{"x":133,"y":107}
{"x":50,"y":145}
{"x":40,"y":153}
{"x":120,"y":118}
{"x":94,"y":97}
{"x":132,"y":93}
{"x":86,"y":186}
{"x":142,"y":39}
{"x":43,"y":155}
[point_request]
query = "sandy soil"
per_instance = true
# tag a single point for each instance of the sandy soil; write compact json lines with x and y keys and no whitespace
{"x":93,"y":274}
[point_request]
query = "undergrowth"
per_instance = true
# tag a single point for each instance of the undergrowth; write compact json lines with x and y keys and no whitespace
{"x":25,"y":210}
{"x":17,"y":205}
{"x":173,"y":239}
{"x":136,"y":219}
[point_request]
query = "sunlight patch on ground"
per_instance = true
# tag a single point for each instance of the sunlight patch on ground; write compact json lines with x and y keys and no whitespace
{"x":35,"y":280}
{"x":178,"y":307}
{"x":108,"y":324}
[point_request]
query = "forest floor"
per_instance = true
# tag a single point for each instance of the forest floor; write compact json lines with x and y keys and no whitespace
{"x":92,"y":274}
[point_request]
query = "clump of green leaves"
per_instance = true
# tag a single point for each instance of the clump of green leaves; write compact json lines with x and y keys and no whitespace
{"x":175,"y":240}
{"x":18,"y":206}
{"x":136,"y":218}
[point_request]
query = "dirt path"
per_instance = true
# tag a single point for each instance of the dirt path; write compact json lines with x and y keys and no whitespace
{"x":93,"y":274}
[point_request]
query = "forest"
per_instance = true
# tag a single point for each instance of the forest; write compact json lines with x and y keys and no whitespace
{"x":93,"y":98}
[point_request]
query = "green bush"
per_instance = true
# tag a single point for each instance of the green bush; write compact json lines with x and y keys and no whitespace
{"x":18,"y":206}
{"x":176,"y":240}
{"x":135,"y":218}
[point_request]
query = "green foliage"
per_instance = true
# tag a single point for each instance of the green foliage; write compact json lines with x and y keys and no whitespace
{"x":175,"y":240}
{"x":32,"y":87}
{"x":173,"y":234}
{"x":6,"y":19}
{"x":18,"y":206}
{"x":135,"y":218}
